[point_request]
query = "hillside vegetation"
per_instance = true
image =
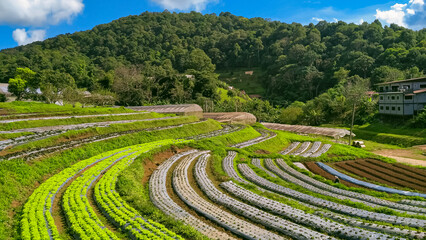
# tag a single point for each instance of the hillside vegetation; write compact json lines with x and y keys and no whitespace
{"x":154,"y":50}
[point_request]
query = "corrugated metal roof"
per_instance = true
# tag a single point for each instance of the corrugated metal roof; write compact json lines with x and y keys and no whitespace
{"x":406,"y":80}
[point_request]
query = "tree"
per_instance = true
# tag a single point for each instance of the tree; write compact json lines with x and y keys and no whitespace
{"x":355,"y":93}
{"x":73,"y":95}
{"x":2,"y":97}
{"x":17,"y":87}
{"x":50,"y":93}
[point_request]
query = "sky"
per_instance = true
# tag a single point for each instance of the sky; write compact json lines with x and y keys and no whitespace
{"x":26,"y":21}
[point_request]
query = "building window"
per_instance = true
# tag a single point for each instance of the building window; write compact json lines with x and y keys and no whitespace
{"x":393,"y":97}
{"x":393,"y":108}
{"x":408,"y":97}
{"x":422,"y":85}
{"x":381,"y":97}
{"x":397,"y":97}
{"x":381,"y":89}
{"x":387,"y":88}
{"x":399,"y":108}
{"x":381,"y":107}
{"x":387,"y":108}
{"x":406,"y":86}
{"x":394,"y":88}
{"x":388,"y":97}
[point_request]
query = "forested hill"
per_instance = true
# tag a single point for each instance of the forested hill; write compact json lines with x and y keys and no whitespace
{"x":152,"y":52}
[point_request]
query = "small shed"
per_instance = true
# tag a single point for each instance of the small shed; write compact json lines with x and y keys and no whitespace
{"x":178,"y":109}
{"x":232,"y":117}
{"x":249,"y":73}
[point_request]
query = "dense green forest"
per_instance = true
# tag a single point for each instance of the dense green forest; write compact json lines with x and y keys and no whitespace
{"x":172,"y":58}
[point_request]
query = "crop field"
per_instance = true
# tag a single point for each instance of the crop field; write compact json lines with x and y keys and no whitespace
{"x":119,"y":174}
{"x":395,"y":175}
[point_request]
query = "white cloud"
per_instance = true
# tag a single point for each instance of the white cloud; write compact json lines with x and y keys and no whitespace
{"x":335,"y":20}
{"x":317,"y":19}
{"x":361,"y":21}
{"x":22,"y":37}
{"x":411,"y":14}
{"x":197,"y":5}
{"x":38,"y":12}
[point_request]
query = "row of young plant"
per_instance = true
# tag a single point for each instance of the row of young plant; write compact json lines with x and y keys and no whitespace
{"x":302,"y":148}
{"x":265,"y":135}
{"x":254,"y":214}
{"x":75,"y":121}
{"x":161,"y":199}
{"x":333,"y":206}
{"x":24,"y":177}
{"x":10,"y":120}
{"x":256,"y":162}
{"x":119,"y":212}
{"x":142,"y":200}
{"x":74,"y":138}
{"x":17,"y":109}
{"x":377,"y":226}
{"x":37,"y":221}
{"x":332,"y":228}
{"x":289,"y":178}
{"x":81,"y":217}
{"x":371,"y":225}
{"x":92,"y":148}
{"x":310,"y":181}
{"x":299,"y":216}
{"x":214,"y":213}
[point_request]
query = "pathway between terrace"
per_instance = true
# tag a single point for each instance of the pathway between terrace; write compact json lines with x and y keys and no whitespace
{"x":411,"y":161}
{"x":66,"y":117}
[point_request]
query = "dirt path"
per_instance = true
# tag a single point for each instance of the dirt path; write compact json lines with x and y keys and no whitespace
{"x":411,"y":155}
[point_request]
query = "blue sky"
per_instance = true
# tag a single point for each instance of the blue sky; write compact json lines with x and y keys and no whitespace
{"x":25,"y":21}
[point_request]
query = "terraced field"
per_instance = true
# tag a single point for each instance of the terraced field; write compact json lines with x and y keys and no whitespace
{"x":114,"y":181}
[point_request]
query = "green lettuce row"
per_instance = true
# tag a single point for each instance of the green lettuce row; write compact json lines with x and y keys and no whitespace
{"x":37,"y":221}
{"x":81,"y":217}
{"x":79,"y":214}
{"x":120,"y":213}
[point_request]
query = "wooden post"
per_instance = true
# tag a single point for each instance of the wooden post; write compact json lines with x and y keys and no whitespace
{"x":352,"y":124}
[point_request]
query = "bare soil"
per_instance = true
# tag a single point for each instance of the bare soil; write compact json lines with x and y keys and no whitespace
{"x":261,"y":151}
{"x":314,"y":168}
{"x":385,"y":174}
{"x":414,"y":155}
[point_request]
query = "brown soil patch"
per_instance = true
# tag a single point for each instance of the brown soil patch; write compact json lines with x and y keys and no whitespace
{"x":151,"y":164}
{"x":413,"y":156}
{"x":261,"y":151}
{"x":384,"y":173}
{"x":314,"y":168}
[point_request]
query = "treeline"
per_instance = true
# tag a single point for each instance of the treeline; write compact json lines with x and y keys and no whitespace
{"x":172,"y":57}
